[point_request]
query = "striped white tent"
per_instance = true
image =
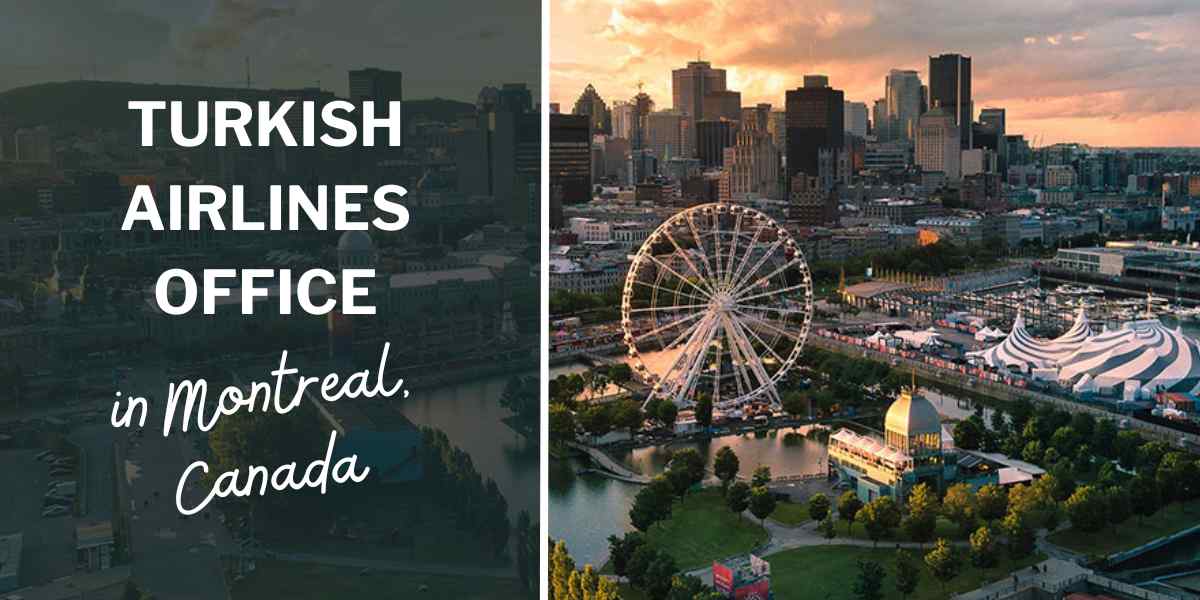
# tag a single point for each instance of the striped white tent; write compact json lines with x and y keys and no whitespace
{"x":1146,"y":352}
{"x":1021,"y":349}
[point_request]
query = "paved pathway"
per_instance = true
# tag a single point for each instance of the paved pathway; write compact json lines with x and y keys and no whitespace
{"x":610,"y":466}
{"x":393,"y":565}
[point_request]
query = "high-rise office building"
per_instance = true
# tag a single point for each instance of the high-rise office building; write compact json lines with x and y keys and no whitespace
{"x":622,"y":119}
{"x":950,"y":88}
{"x":815,"y":123}
{"x":591,"y":104}
{"x":642,"y":107}
{"x":816,"y":81}
{"x":664,"y":134}
{"x":712,"y":138}
{"x":993,"y":118}
{"x":377,"y":85}
{"x":757,"y":117}
{"x":902,"y":93}
{"x":855,"y":118}
{"x":725,"y":104}
{"x":937,"y":144}
{"x":570,"y":158}
{"x":689,"y":85}
{"x":879,"y":120}
{"x":750,"y":168}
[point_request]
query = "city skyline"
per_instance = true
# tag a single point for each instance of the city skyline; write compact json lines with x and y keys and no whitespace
{"x":1112,"y":75}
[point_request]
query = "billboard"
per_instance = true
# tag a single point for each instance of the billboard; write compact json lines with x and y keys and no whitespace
{"x":722,"y":578}
{"x":758,"y":590}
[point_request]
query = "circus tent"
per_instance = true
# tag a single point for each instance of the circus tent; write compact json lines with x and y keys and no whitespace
{"x":1140,"y":357}
{"x":1024,"y":351}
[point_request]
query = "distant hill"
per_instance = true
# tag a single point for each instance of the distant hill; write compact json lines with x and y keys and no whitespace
{"x":82,"y":105}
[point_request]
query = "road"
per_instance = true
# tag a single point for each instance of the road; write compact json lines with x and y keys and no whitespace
{"x":173,"y":556}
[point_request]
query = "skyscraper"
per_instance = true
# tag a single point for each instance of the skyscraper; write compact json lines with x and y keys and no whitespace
{"x":664,"y":131}
{"x":688,"y":88}
{"x":937,"y":144}
{"x":855,"y":118}
{"x":642,"y":107}
{"x":750,"y":168}
{"x":950,"y":88}
{"x":724,"y":104}
{"x":377,"y":85}
{"x":713,"y":137}
{"x":756,"y":118}
{"x":591,"y":104}
{"x":902,"y":93}
{"x":570,"y":158}
{"x":815,"y":123}
{"x":994,"y":118}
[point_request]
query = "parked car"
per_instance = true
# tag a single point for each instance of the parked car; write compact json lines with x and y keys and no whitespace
{"x":54,"y":511}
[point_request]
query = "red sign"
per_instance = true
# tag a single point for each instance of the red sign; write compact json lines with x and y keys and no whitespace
{"x":722,"y":578}
{"x":759,"y":590}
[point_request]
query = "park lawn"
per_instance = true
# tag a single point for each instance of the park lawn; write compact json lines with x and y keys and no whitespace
{"x":945,"y":529}
{"x":831,"y":571}
{"x":304,"y":581}
{"x":702,"y":529}
{"x":1132,"y":533}
{"x":790,"y":513}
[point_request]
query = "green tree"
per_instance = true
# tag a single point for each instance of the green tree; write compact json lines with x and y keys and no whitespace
{"x":737,"y":498}
{"x":908,"y":572}
{"x":983,"y":548}
{"x":848,"y":506}
{"x":595,"y":419}
{"x":879,"y":517}
{"x":959,"y":506}
{"x":1020,"y":534}
{"x":561,"y":568}
{"x":818,"y":506}
{"x":761,"y":476}
{"x":943,"y":562}
{"x":652,"y":504}
{"x":562,"y":423}
{"x":921,"y":520}
{"x":991,"y":502}
{"x":826,"y":528}
{"x":1087,"y":508}
{"x":726,"y":466}
{"x":1144,"y":495}
{"x":1119,"y":504}
{"x":621,"y":549}
{"x":795,"y":403}
{"x":685,"y":470}
{"x":527,"y":549}
{"x":869,"y":583}
{"x":628,"y":415}
{"x":762,"y":503}
{"x":968,"y":435}
{"x":606,"y":589}
{"x":660,"y":575}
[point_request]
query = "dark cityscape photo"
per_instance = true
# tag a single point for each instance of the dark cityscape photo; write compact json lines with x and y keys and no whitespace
{"x":449,"y":507}
{"x":874,"y":300}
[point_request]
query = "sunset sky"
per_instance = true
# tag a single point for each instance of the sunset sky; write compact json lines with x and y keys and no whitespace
{"x":1101,"y":72}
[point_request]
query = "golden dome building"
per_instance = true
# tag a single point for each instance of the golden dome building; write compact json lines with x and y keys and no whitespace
{"x":909,"y":453}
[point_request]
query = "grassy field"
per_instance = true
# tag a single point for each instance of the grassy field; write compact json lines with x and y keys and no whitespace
{"x":702,"y":528}
{"x":791,"y":513}
{"x":1131,"y":533}
{"x":301,"y":581}
{"x":830,"y":572}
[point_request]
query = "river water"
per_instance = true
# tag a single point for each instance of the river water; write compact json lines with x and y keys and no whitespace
{"x":471,"y":415}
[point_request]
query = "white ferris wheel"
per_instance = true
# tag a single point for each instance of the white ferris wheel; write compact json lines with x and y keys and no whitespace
{"x":718,"y":301}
